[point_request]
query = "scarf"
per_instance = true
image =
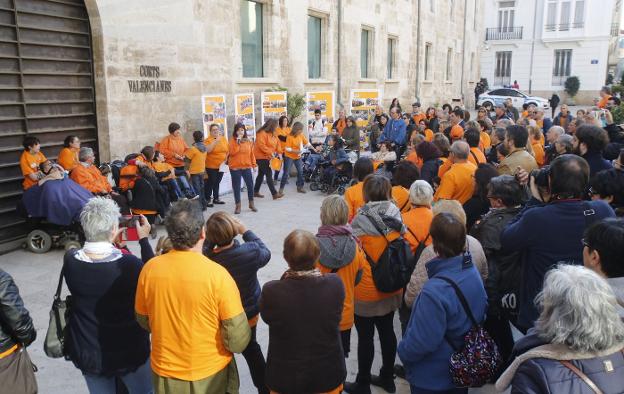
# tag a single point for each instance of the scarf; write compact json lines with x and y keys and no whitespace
{"x":200,"y":146}
{"x":329,"y":231}
{"x":291,"y":274}
{"x":106,"y":249}
{"x":378,"y":214}
{"x":338,"y":245}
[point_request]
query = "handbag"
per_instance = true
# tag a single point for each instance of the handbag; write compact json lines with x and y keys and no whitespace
{"x":17,"y":373}
{"x":54,"y":343}
{"x":276,"y":163}
{"x":478,"y":361}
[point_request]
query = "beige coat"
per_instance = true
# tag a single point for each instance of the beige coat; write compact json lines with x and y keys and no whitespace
{"x":519,"y":158}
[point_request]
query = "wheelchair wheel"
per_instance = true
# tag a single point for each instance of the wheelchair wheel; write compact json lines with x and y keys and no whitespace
{"x":69,"y":245}
{"x":340,"y":190}
{"x":38,"y":241}
{"x":314,"y":186}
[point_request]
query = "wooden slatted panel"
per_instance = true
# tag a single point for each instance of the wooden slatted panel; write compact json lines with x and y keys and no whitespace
{"x":46,"y":89}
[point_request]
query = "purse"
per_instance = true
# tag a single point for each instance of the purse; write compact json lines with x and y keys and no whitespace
{"x":17,"y":373}
{"x":276,"y":163}
{"x":54,"y":343}
{"x":478,"y":361}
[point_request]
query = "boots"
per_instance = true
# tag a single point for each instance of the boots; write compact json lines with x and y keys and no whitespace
{"x":258,"y":195}
{"x":237,"y":210}
{"x":357,"y":388}
{"x":300,"y":190}
{"x":279,"y":194}
{"x":385,"y":382}
{"x":252,"y":206}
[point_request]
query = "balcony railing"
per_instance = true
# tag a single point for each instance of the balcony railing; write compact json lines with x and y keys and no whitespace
{"x":565,"y":26}
{"x":503,"y":33}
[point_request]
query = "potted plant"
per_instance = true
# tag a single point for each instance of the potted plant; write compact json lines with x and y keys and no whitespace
{"x":294,"y":102}
{"x":572,"y":86}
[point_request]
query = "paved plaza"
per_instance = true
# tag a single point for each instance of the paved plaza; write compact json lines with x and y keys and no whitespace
{"x":37,"y":275}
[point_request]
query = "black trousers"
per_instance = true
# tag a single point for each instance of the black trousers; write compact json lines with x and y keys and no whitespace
{"x":264,"y":170}
{"x":211,"y":186}
{"x":365,"y":327}
{"x":257,"y":365}
{"x":345,"y":338}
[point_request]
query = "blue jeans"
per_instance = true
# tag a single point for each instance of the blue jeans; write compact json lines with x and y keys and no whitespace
{"x":197,"y":180}
{"x":174,"y":188}
{"x":246,"y":175}
{"x":288,"y":162}
{"x":137,"y":382}
{"x":313,"y":160}
{"x":180,"y":173}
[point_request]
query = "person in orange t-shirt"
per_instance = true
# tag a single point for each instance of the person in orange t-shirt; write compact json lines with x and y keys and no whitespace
{"x":281,"y":132}
{"x":473,"y":138}
{"x":485,"y":140}
{"x":30,"y":160}
{"x":266,"y":147}
{"x":68,"y":156}
{"x":295,"y":143}
{"x":417,"y":115}
{"x":173,"y":148}
{"x":192,"y":307}
{"x":87,"y":175}
{"x":457,"y":183}
{"x":241,"y":160}
{"x":354,"y":196}
{"x":536,"y":136}
{"x":341,"y":123}
{"x":340,"y":254}
{"x":405,"y":174}
{"x":196,"y":161}
{"x":424,"y":130}
{"x":457,"y":131}
{"x":605,"y":95}
{"x":374,"y":310}
{"x":216,"y":152}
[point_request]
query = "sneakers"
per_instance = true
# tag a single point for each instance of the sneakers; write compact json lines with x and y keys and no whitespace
{"x":218,"y":202}
{"x":385,"y":383}
{"x":399,"y":371}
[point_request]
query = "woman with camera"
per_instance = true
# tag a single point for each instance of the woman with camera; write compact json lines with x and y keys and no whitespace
{"x":241,"y":161}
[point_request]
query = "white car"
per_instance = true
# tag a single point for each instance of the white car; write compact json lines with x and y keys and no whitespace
{"x":498,"y":96}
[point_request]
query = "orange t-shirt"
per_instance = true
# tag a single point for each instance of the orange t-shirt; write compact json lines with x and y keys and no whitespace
{"x":603,"y":101}
{"x":198,"y":160}
{"x":418,"y":220}
{"x":428,"y":135}
{"x":348,"y":274}
{"x":538,"y":151}
{"x":29,"y":164}
{"x":241,"y":155}
{"x":163,"y":167}
{"x":266,"y":145}
{"x":457,"y":133}
{"x":401,"y":197}
{"x":480,"y":157}
{"x":215,"y":158}
{"x":186,"y":297}
{"x":354,"y":196}
{"x":414,"y":159}
{"x":282,"y":132}
{"x":486,"y":141}
{"x":444,"y":167}
{"x":374,"y":247}
{"x":341,"y":125}
{"x":457,"y":183}
{"x":295,"y":143}
{"x":91,"y":179}
{"x":172,"y":145}
{"x":418,"y":117}
{"x":68,"y":158}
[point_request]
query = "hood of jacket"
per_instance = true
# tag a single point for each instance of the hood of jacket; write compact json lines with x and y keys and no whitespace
{"x":200,"y":146}
{"x":383,"y":215}
{"x":337,"y":251}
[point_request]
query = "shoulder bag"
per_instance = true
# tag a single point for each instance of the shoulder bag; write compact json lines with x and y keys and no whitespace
{"x":54,"y":343}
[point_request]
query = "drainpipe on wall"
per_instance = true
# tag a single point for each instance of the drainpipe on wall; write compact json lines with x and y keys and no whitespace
{"x":339,"y":80}
{"x":464,"y":51}
{"x":532,"y":48}
{"x":417,"y":52}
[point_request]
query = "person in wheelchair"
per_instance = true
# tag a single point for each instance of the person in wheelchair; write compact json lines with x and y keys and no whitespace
{"x":147,"y":197}
{"x":166,"y":176}
{"x":337,"y":159}
{"x":385,"y":159}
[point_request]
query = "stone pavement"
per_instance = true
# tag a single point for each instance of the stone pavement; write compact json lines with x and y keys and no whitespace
{"x":37,"y":275}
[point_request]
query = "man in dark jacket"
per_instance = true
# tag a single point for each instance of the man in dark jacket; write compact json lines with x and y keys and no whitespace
{"x":549,"y":233}
{"x":589,"y":142}
{"x":554,"y":103}
{"x":497,"y":138}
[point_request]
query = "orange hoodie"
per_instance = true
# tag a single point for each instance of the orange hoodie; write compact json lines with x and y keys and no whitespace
{"x":266,"y":146}
{"x":171,"y":146}
{"x":241,"y":155}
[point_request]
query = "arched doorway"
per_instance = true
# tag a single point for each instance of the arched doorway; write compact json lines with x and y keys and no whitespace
{"x":46,"y":89}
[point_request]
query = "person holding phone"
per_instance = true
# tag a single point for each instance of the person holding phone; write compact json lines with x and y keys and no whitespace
{"x":241,"y":160}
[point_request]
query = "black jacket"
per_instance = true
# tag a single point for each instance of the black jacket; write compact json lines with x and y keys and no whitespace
{"x":243,"y":261}
{"x":16,"y":326}
{"x":429,"y":170}
{"x":305,"y":351}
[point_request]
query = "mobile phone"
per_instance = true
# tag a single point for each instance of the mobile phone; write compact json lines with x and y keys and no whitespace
{"x":129,"y":221}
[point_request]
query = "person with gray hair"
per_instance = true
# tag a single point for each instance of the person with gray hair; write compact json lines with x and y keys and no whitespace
{"x":456,"y":175}
{"x":497,"y":138}
{"x":564,"y":145}
{"x":192,"y":307}
{"x":104,"y":340}
{"x":576,"y":345}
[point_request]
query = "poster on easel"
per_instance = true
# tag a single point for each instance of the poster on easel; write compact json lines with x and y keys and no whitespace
{"x":363,"y":103}
{"x":244,"y":112}
{"x":323,"y":101}
{"x":274,"y":105}
{"x":214,"y":112}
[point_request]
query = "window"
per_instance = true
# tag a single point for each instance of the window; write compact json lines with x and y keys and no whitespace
{"x":552,"y":16}
{"x":449,"y":64}
{"x":506,"y":14}
{"x":502,"y":73}
{"x":251,"y":39}
{"x":472,"y":59}
{"x":365,"y":51}
{"x":452,"y":8}
{"x":497,"y":92}
{"x":314,"y":47}
{"x":432,"y":6}
{"x":474,"y":16}
{"x":428,"y":52}
{"x":564,"y":17}
{"x":579,"y":14}
{"x":391,"y":52}
{"x":562,"y":66}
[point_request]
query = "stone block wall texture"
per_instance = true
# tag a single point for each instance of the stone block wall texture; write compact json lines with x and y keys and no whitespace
{"x":197,"y":45}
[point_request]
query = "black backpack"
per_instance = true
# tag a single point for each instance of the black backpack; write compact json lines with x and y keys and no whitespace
{"x":393,"y":270}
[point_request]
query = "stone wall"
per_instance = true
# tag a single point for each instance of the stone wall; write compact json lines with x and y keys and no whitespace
{"x":196,"y":45}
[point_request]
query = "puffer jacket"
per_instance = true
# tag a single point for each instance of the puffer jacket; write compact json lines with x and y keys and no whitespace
{"x":537,"y":369}
{"x":16,"y":326}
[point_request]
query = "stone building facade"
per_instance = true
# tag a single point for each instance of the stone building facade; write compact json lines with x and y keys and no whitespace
{"x":197,"y":46}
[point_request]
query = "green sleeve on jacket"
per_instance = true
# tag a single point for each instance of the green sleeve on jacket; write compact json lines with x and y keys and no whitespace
{"x":235,"y":333}
{"x":143,"y":321}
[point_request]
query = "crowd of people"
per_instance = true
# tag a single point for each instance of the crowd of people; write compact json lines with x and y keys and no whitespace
{"x":511,"y":222}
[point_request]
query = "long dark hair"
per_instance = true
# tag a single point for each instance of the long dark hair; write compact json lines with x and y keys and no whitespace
{"x":281,"y":119}
{"x":238,"y":126}
{"x":269,"y":126}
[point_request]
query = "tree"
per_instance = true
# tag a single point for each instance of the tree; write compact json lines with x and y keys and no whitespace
{"x":572,"y":86}
{"x":295,"y":103}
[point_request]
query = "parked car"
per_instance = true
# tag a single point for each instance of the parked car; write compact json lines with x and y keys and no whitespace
{"x":498,"y":96}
